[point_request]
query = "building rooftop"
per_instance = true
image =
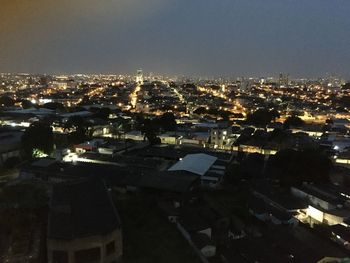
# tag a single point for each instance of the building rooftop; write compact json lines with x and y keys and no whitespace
{"x":141,"y":177}
{"x":81,"y":209}
{"x":198,"y":163}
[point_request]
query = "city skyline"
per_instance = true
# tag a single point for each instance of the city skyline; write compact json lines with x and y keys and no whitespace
{"x":201,"y":38}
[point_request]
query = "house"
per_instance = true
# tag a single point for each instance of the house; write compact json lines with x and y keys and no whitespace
{"x":170,"y":138}
{"x":317,"y":196}
{"x":134,"y":135}
{"x":221,"y":137}
{"x":88,"y":145}
{"x":343,"y":158}
{"x":203,"y":165}
{"x":269,"y":213}
{"x":84,"y":225}
{"x":326,"y":204}
{"x":10,"y":145}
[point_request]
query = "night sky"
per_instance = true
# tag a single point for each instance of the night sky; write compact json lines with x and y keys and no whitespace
{"x":306,"y":38}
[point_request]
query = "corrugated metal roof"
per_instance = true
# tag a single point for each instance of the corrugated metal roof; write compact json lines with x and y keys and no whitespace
{"x":198,"y":163}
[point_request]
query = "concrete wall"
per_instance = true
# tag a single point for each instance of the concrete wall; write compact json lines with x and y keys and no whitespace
{"x":71,"y":246}
{"x":313,"y":199}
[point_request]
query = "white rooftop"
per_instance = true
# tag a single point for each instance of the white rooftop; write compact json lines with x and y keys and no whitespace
{"x":198,"y":163}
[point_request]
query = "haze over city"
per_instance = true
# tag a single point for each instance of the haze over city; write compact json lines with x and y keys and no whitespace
{"x":199,"y":37}
{"x":138,"y":131}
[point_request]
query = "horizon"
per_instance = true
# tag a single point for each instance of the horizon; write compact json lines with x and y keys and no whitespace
{"x":207,"y":77}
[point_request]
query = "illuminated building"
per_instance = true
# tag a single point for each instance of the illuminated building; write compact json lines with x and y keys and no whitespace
{"x":139,"y":77}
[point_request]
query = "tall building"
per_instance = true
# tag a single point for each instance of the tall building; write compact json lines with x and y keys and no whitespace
{"x":139,"y":77}
{"x":283,"y":80}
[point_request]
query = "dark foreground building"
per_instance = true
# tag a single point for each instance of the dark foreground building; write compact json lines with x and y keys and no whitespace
{"x":84,"y":225}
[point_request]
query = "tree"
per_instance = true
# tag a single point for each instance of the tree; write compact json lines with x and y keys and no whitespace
{"x":6,"y":101}
{"x":293,"y":121}
{"x":85,"y":101}
{"x":262,"y":117}
{"x":138,"y":121}
{"x":245,"y":136}
{"x":281,"y":138}
{"x":248,"y":167}
{"x":149,"y":129}
{"x":167,"y":121}
{"x":79,"y":129}
{"x":38,"y":139}
{"x":103,"y":113}
{"x":26,"y":104}
{"x":346,"y":86}
{"x":200,"y":111}
{"x":275,"y":114}
{"x":292,"y":167}
{"x":54,"y":106}
{"x":153,"y":139}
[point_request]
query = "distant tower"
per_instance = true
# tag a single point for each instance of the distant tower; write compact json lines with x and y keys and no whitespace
{"x":139,"y":77}
{"x":283,"y":80}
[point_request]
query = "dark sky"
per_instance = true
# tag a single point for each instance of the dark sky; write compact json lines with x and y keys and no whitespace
{"x":193,"y":37}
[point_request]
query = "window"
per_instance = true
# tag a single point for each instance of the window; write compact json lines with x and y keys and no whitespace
{"x":88,"y":255}
{"x":59,"y":256}
{"x":110,"y":248}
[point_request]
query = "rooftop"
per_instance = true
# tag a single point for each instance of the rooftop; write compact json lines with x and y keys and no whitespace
{"x":198,"y":163}
{"x":81,"y":209}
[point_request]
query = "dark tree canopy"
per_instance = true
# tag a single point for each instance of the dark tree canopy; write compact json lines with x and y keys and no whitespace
{"x":249,"y":167}
{"x":200,"y":111}
{"x":245,"y":136}
{"x":293,"y":121}
{"x":167,"y":122}
{"x":150,"y":129}
{"x":346,"y":86}
{"x":6,"y":101}
{"x":26,"y":104}
{"x":294,"y":167}
{"x":262,"y":117}
{"x":54,"y":106}
{"x":38,"y":136}
{"x":80,"y":129}
{"x":345,"y":101}
{"x":103,"y":113}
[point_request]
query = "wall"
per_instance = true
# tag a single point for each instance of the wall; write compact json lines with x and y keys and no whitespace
{"x":71,"y":246}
